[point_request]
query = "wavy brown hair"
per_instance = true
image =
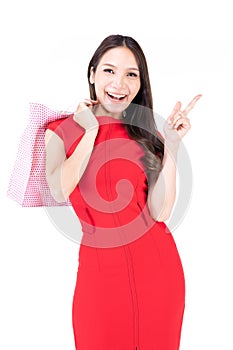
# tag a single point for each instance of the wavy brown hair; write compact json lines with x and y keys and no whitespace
{"x":139,"y":120}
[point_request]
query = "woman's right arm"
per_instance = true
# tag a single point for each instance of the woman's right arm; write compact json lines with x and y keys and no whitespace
{"x":62,"y":173}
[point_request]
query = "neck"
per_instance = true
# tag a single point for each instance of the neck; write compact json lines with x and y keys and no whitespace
{"x":99,"y":110}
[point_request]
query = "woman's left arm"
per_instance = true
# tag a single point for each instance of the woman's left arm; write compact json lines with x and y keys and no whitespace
{"x":162,"y":195}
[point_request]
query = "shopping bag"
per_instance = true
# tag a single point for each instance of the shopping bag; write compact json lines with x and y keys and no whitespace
{"x":28,"y":185}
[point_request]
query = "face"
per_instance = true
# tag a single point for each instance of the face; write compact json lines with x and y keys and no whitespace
{"x":117,"y":81}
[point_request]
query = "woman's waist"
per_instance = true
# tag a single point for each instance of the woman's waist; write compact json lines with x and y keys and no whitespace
{"x":114,"y":249}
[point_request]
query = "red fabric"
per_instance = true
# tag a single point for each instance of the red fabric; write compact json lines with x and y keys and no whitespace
{"x":130,"y":287}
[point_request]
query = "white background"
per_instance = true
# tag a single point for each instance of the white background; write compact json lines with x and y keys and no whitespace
{"x":45,"y":49}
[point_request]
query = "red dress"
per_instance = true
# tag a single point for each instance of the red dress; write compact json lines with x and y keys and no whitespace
{"x":130,"y":289}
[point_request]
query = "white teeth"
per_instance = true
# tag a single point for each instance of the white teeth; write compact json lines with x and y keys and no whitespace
{"x":116,"y":95}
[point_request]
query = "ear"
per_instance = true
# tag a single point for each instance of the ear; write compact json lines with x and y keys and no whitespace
{"x":92,"y":76}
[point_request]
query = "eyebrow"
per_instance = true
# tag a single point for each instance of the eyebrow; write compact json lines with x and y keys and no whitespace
{"x":112,"y":65}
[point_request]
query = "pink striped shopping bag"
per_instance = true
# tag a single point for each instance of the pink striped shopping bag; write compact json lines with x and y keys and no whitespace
{"x":28,"y":185}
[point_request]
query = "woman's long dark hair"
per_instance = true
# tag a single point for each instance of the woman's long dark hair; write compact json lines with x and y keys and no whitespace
{"x":139,"y":121}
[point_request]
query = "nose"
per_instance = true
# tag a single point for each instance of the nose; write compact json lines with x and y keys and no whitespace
{"x":118,"y":81}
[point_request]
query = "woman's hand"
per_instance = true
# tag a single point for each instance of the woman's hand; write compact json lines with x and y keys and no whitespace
{"x":178,"y":124}
{"x":84,"y":116}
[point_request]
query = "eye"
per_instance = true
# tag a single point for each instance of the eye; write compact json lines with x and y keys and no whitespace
{"x":132,"y":75}
{"x":108,"y":70}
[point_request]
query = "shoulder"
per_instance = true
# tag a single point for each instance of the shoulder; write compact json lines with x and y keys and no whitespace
{"x":55,"y":124}
{"x":65,"y":127}
{"x":68,"y":131}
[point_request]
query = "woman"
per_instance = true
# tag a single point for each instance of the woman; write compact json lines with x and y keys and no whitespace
{"x":120,"y":176}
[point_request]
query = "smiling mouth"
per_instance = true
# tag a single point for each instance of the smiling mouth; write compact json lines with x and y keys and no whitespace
{"x":116,"y":97}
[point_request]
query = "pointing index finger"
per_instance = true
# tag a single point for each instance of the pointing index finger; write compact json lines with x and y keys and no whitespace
{"x":191,"y":105}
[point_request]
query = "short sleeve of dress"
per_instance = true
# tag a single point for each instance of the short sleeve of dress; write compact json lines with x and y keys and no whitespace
{"x":69,"y":131}
{"x":55,"y":127}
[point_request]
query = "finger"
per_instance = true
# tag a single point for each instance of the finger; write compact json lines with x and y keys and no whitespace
{"x":182,"y":122}
{"x":175,"y":110}
{"x":178,"y":116}
{"x":84,"y":104}
{"x":191,"y":105}
{"x":87,"y":101}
